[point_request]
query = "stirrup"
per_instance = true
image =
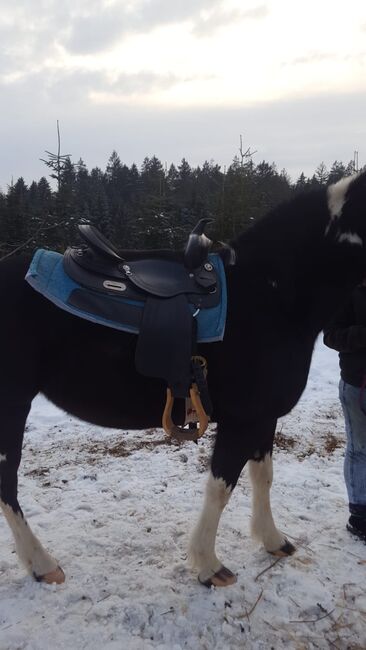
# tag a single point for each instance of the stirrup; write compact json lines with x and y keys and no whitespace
{"x":177,"y":432}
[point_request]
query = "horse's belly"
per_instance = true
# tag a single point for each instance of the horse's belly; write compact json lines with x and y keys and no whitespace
{"x":285,"y":376}
{"x":110,"y":409}
{"x":100,"y":385}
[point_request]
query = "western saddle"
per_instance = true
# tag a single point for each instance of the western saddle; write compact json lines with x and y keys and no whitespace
{"x":172,"y":288}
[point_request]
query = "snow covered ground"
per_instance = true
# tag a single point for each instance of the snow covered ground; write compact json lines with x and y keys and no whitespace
{"x":116,"y":509}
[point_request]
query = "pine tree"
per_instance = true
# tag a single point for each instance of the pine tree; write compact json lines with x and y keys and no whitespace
{"x":17,"y":221}
{"x":67,"y":209}
{"x":321,"y":174}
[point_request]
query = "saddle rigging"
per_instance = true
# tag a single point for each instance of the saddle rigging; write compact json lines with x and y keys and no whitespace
{"x":162,"y":292}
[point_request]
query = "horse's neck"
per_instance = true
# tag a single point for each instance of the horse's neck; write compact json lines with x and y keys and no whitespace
{"x":313,"y":274}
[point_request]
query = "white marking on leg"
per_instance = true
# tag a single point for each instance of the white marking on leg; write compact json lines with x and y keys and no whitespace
{"x":263,"y":527}
{"x":2,"y":458}
{"x":30,"y":551}
{"x":202,"y":545}
{"x":350,"y":238}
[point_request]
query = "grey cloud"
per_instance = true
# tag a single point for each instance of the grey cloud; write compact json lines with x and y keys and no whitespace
{"x":76,"y":86}
{"x":312,"y":57}
{"x":219,"y":18}
{"x":72,"y":88}
{"x":25,"y":44}
{"x":166,"y":11}
{"x":98,"y":31}
{"x":32,"y":30}
{"x":142,"y":82}
{"x":15,"y":47}
{"x":260,"y":11}
{"x":318,"y":57}
{"x":101,"y":29}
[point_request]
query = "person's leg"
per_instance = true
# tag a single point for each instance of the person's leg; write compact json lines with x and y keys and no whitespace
{"x":355,"y":457}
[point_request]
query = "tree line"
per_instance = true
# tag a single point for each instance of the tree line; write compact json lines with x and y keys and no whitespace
{"x":148,"y":207}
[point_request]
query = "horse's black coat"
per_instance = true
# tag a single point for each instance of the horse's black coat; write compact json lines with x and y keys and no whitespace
{"x":293,"y":270}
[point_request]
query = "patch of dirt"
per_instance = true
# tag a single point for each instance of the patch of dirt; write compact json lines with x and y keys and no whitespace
{"x":331,"y":415}
{"x":332,"y":443}
{"x":284,"y":442}
{"x":121,"y":449}
{"x":38,"y":471}
{"x":203,"y":463}
{"x":304,"y":453}
{"x":328,"y":445}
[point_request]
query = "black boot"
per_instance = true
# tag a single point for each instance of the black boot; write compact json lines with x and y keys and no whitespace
{"x":357,"y":526}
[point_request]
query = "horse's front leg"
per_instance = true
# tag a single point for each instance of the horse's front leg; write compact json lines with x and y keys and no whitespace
{"x":228,"y":459}
{"x":40,"y":564}
{"x":263,"y":526}
{"x":236,"y":443}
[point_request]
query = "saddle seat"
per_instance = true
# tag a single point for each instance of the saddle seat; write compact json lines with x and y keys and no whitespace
{"x":164,"y":274}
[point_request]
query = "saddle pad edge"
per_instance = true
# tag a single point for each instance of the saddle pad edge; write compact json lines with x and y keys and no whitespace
{"x":97,"y":320}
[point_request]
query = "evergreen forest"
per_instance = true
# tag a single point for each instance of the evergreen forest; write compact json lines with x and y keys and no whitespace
{"x":148,"y":207}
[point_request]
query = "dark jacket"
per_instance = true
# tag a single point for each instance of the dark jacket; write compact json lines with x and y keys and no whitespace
{"x":347,"y":334}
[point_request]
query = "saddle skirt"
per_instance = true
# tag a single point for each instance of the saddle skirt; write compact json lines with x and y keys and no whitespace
{"x":108,"y":301}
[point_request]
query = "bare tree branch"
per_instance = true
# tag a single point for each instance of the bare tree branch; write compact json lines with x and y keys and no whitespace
{"x":42,"y":228}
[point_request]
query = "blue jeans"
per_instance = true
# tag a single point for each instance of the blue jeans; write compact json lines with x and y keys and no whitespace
{"x":355,"y":458}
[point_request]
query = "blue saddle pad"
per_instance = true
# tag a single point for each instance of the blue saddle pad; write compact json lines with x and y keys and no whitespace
{"x":47,"y":276}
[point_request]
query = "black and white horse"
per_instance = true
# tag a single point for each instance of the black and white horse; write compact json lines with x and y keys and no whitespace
{"x":292,"y":271}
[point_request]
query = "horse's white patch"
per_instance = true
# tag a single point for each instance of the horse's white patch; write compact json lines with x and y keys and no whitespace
{"x":202,"y":546}
{"x":2,"y":458}
{"x":263,"y":527}
{"x":337,"y":195}
{"x":30,"y":551}
{"x":231,"y":256}
{"x":350,"y":238}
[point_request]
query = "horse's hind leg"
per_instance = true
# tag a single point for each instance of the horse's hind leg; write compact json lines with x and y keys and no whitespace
{"x":37,"y":561}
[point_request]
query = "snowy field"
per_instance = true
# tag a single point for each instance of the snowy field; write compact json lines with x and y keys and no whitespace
{"x":116,"y":509}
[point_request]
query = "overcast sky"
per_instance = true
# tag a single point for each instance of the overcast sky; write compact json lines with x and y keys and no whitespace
{"x":181,"y":78}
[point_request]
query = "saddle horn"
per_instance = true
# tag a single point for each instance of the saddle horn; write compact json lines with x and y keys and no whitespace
{"x":198,"y":245}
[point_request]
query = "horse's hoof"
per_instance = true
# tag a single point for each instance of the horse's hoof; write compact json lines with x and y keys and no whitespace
{"x":222,"y":578}
{"x":56,"y":576}
{"x":286,"y":549}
